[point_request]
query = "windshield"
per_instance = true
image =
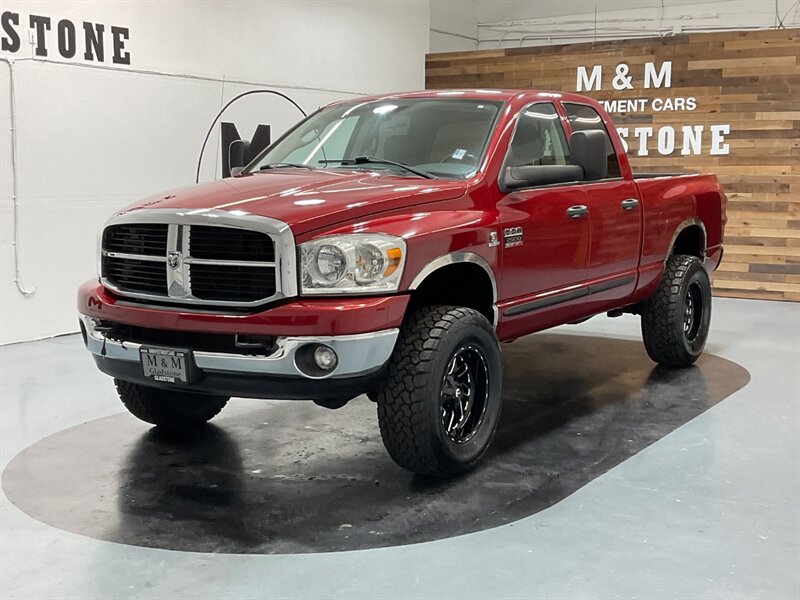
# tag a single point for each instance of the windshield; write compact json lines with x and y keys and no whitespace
{"x":443,"y":137}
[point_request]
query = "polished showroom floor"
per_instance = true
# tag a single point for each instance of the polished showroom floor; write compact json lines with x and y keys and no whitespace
{"x":608,"y":478}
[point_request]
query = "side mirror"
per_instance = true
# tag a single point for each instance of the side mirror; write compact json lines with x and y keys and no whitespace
{"x":533,"y":175}
{"x":238,"y":155}
{"x":589,"y":149}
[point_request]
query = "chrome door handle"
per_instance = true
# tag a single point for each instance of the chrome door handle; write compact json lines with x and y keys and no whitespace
{"x":630,"y":204}
{"x":577,"y":211}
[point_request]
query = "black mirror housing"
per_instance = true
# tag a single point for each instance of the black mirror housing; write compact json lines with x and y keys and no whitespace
{"x":589,"y":150}
{"x":238,"y":154}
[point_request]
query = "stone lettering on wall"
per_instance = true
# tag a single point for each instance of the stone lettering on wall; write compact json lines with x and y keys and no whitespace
{"x":53,"y":37}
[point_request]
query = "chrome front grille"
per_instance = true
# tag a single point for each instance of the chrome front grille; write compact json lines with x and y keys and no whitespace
{"x":230,"y":262}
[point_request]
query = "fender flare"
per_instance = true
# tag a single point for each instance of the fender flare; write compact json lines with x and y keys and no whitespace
{"x":459,"y":258}
{"x":680,"y":228}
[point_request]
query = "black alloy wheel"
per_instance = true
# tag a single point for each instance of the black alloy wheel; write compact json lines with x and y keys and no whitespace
{"x":465,"y":394}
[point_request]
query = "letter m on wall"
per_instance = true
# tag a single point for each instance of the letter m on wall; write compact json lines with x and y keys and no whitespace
{"x":584,"y":81}
{"x":661,"y":79}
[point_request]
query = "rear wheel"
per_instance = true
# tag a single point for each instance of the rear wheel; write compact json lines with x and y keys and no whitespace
{"x":439,"y":406}
{"x":676,"y":320}
{"x":169,"y":409}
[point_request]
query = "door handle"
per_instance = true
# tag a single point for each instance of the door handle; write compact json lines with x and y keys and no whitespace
{"x":630,"y":204}
{"x":577,"y":211}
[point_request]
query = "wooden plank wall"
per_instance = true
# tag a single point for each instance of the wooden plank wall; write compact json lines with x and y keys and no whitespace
{"x":747,"y":80}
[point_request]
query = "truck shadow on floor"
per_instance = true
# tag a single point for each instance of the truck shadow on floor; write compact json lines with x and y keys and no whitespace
{"x":290,"y":477}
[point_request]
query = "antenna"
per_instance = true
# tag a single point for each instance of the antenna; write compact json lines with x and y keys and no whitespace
{"x":224,"y":108}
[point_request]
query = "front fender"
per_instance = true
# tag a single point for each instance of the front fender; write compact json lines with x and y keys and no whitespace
{"x":437,"y":238}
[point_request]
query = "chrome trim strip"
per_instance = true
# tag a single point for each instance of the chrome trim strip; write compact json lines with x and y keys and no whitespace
{"x":177,"y":278}
{"x":456,"y":258}
{"x":226,"y":263}
{"x":178,"y":283}
{"x":358,"y":354}
{"x":150,"y":257}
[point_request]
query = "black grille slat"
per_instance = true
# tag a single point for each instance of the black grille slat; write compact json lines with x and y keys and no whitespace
{"x":228,"y":243}
{"x":132,"y":275}
{"x":148,"y":238}
{"x":231,"y":283}
{"x":125,"y":264}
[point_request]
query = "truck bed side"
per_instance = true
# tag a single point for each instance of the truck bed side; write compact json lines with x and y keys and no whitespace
{"x":671,"y":203}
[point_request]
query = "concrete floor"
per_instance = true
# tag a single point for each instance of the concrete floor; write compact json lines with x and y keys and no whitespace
{"x":709,"y":510}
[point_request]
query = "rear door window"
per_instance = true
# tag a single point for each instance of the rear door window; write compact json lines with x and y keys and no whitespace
{"x":539,"y":138}
{"x":585,"y":118}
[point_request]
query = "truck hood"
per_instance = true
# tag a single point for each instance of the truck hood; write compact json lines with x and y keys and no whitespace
{"x":308,"y":200}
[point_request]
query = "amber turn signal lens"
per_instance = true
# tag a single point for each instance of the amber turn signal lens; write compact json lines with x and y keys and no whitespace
{"x":394,"y":255}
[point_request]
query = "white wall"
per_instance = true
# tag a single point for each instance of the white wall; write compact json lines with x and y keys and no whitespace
{"x":454,"y":25}
{"x":513,"y":23}
{"x":92,"y":140}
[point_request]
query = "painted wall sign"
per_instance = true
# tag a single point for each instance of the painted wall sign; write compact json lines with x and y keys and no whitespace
{"x":724,"y":102}
{"x":688,"y":138}
{"x":53,"y":37}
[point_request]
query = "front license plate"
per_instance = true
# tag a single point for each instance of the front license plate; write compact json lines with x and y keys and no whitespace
{"x":165,"y":365}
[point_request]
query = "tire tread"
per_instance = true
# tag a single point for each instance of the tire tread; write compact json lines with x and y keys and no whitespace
{"x":161,"y":408}
{"x":401,"y":405}
{"x":663,"y":339}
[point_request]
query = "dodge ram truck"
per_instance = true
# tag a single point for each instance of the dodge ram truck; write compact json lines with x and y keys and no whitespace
{"x":386,"y":246}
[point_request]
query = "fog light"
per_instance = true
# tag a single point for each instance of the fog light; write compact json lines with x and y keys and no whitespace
{"x":325,"y":358}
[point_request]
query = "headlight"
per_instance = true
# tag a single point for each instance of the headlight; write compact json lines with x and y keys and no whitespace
{"x":357,"y":263}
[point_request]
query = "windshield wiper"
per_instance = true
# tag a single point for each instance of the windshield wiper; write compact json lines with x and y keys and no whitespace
{"x":280,"y":165}
{"x":374,"y":160}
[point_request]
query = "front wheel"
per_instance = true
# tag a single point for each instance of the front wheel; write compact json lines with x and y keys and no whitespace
{"x":439,"y":406}
{"x":676,"y":319}
{"x":168,"y":409}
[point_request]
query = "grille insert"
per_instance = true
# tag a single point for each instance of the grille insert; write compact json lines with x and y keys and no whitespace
{"x":144,"y":239}
{"x":133,"y":275}
{"x":190,"y":264}
{"x":231,"y":283}
{"x":227,"y":243}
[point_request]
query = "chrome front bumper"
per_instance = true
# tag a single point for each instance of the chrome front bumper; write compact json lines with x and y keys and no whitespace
{"x":359,"y":354}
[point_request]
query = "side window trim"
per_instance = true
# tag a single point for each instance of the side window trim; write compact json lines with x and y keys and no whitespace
{"x":571,"y":130}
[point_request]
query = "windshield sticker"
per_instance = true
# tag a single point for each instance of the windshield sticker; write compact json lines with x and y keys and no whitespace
{"x":459,"y":153}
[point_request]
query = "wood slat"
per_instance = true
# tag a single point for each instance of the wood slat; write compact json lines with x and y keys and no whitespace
{"x":747,"y":79}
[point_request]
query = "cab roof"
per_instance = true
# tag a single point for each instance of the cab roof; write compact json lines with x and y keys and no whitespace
{"x":479,"y":94}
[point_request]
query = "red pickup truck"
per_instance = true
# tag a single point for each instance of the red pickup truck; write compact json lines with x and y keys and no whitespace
{"x":386,"y":246}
